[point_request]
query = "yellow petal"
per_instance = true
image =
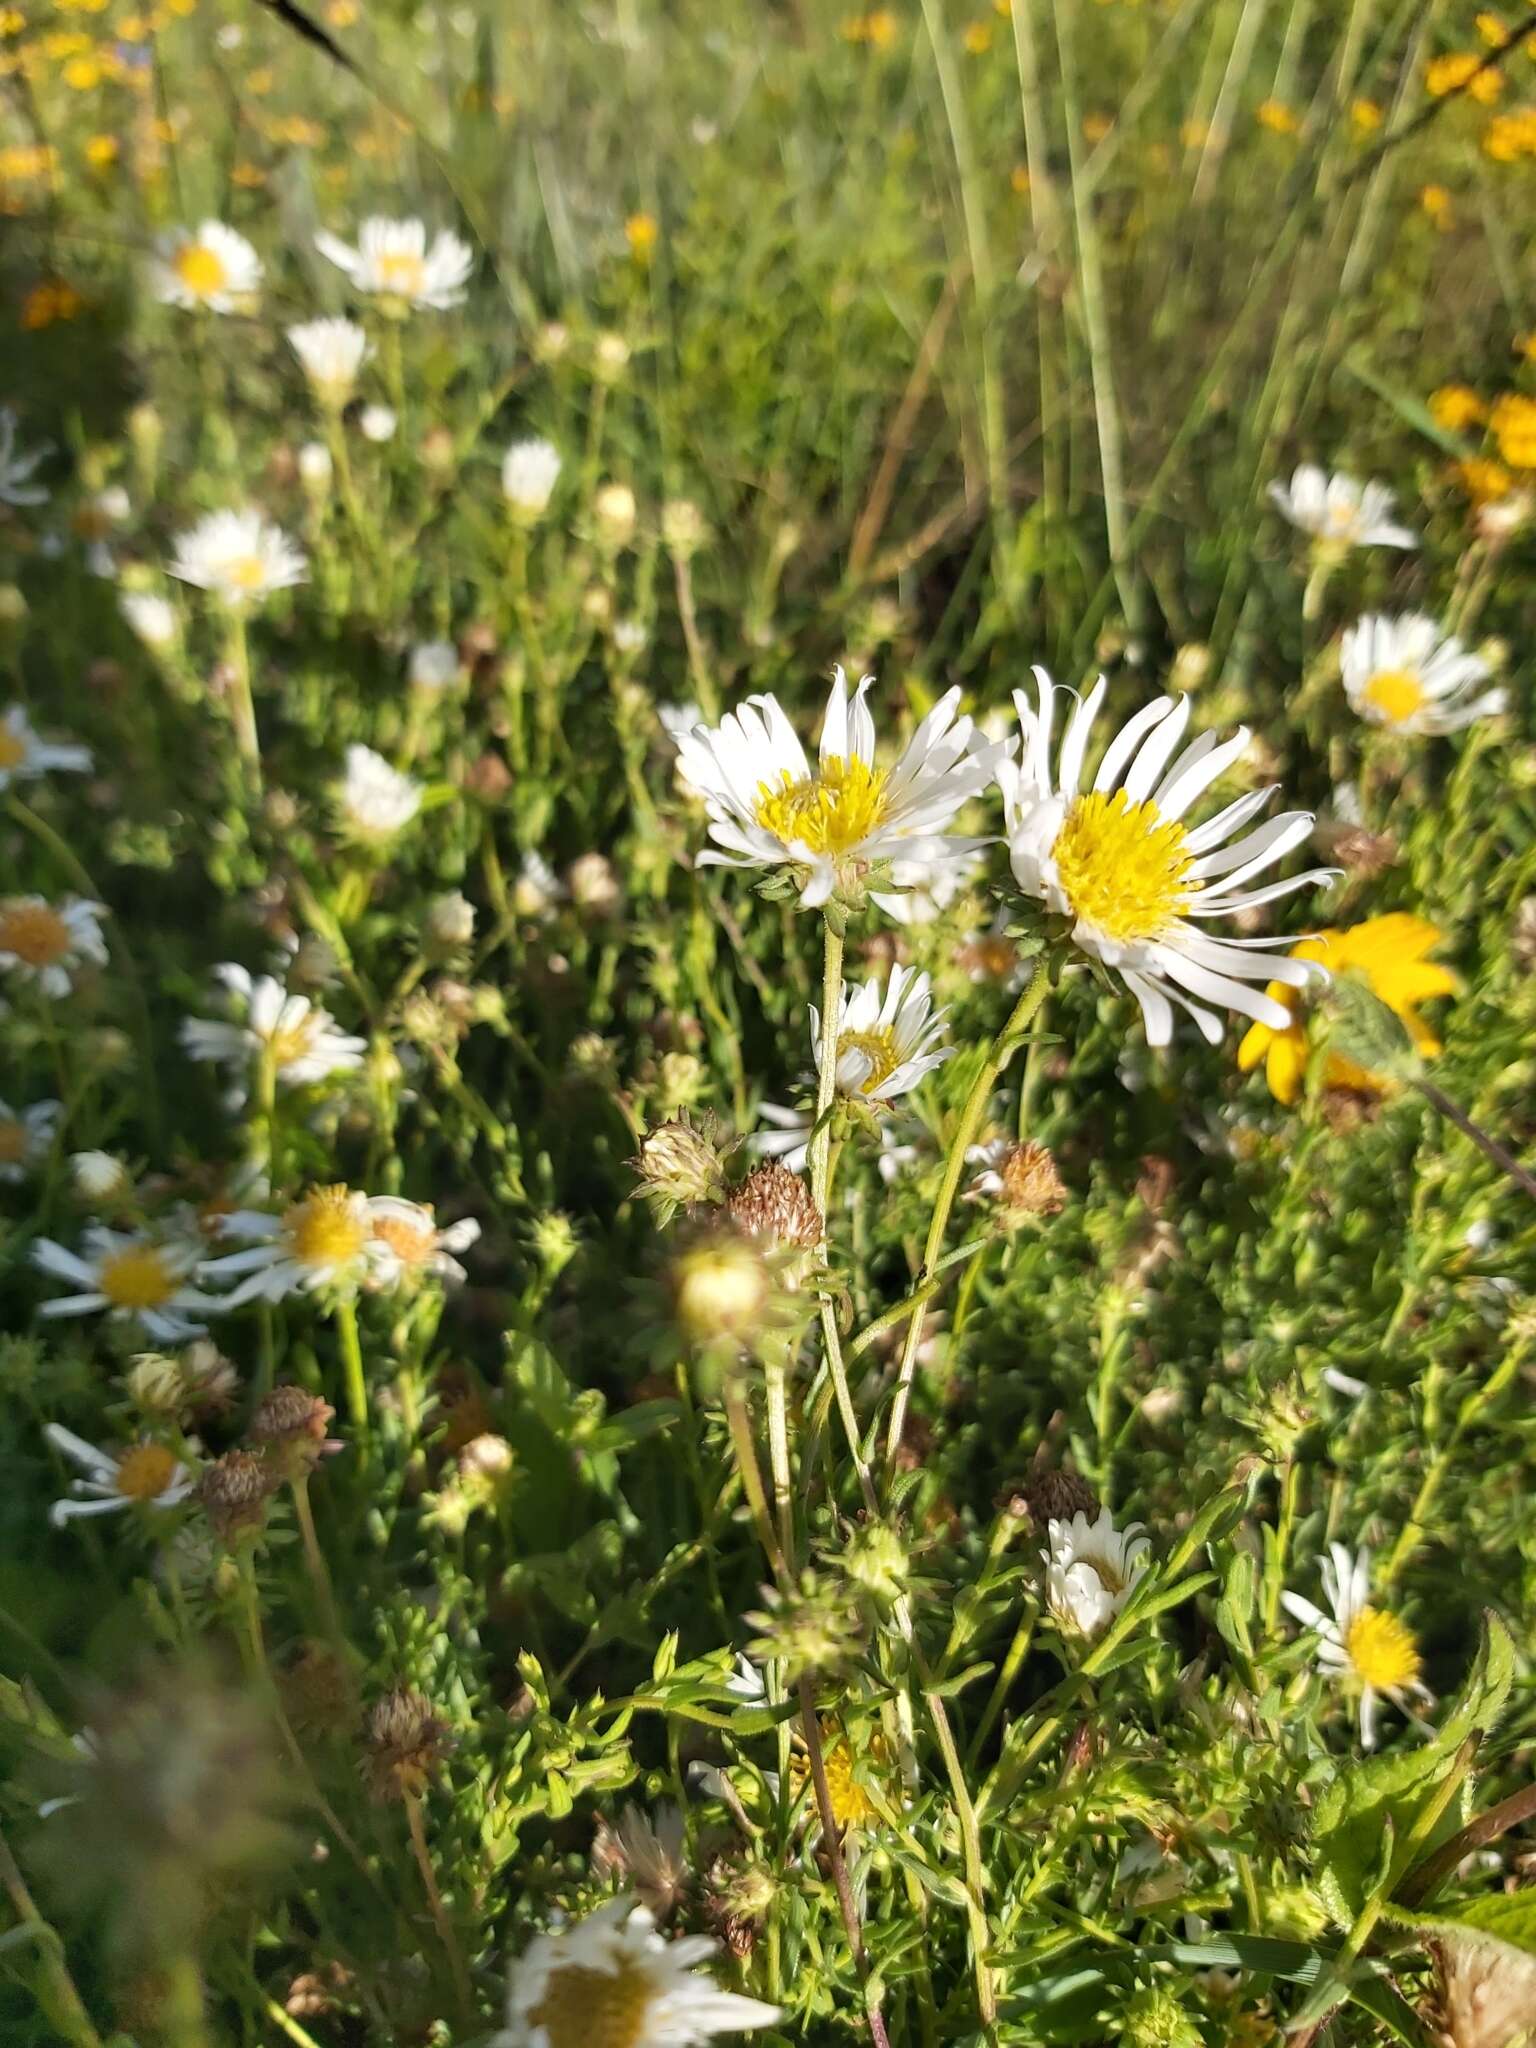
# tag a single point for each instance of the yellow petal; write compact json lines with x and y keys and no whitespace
{"x":1254,"y":1046}
{"x":1286,"y":1064}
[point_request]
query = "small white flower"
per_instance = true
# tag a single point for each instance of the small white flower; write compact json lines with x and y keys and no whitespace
{"x":127,"y":1274}
{"x":18,"y":466}
{"x":886,"y":1043}
{"x":332,"y":352}
{"x":323,"y":1240}
{"x":316,"y":467}
{"x":23,"y":756}
{"x":152,"y":618}
{"x":146,"y":1474}
{"x":537,"y":889}
{"x":1091,"y":1569}
{"x":611,"y":1981}
{"x":393,"y":264}
{"x":209,"y":267}
{"x":434,"y":665}
{"x":529,"y":473}
{"x":378,"y":422}
{"x":1402,"y":674}
{"x":1137,"y":882}
{"x":303,"y":1040}
{"x":629,"y":637}
{"x":26,"y":1136}
{"x":240,"y":557}
{"x":376,"y":800}
{"x":97,"y":1176}
{"x":406,"y":1245}
{"x":769,"y":808}
{"x":650,"y":1851}
{"x":1341,"y":512}
{"x":1370,"y":1650}
{"x":45,"y":943}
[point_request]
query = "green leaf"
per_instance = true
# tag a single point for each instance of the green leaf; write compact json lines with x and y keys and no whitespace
{"x":1407,"y":407}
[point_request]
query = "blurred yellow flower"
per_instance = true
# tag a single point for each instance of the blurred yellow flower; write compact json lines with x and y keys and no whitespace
{"x":1508,"y":137}
{"x":1460,"y":71}
{"x":102,"y":151}
{"x":1194,"y":133}
{"x":1389,"y":954}
{"x":877,"y":28}
{"x":47,"y":302}
{"x":1482,"y":480}
{"x":1513,"y":420}
{"x":1018,"y":178}
{"x":12,"y":21}
{"x":1455,"y":406}
{"x":342,"y":13}
{"x":1436,"y":202}
{"x":1491,"y":29}
{"x":641,"y":232}
{"x":978,"y":37}
{"x":1366,"y":116}
{"x":1278,"y":118}
{"x":248,"y":176}
{"x":1525,"y":345}
{"x":261,"y":81}
{"x":65,"y":42}
{"x":1096,"y":127}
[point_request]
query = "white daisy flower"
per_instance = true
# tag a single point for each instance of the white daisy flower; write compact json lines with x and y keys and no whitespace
{"x":18,"y":466}
{"x":406,"y":1244}
{"x":1340,"y":512}
{"x":529,"y":472}
{"x":392,"y":263}
{"x":378,"y":422}
{"x":1137,"y":882}
{"x":611,"y":1981}
{"x":145,"y":1474}
{"x":322,"y":1240}
{"x":375,"y":800}
{"x":769,"y":808}
{"x":886,"y":1043}
{"x":23,"y":756}
{"x":240,"y":557}
{"x":46,"y":943}
{"x":304,"y":1040}
{"x":123,"y":1273}
{"x":650,"y":1851}
{"x":26,"y":1136}
{"x":434,"y":665}
{"x":98,"y":1176}
{"x":331,"y":353}
{"x":1369,"y":1650}
{"x":537,"y":889}
{"x":1402,"y":674}
{"x":209,"y":267}
{"x":152,"y":617}
{"x":1091,"y":1569}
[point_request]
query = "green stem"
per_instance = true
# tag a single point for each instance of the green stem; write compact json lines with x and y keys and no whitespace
{"x":242,"y":707}
{"x":63,"y":2006}
{"x":1471,"y":1408}
{"x":352,"y":1365}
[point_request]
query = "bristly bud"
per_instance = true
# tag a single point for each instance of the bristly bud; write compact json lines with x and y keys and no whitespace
{"x":721,"y":1290}
{"x":234,"y":1491}
{"x":289,"y":1427}
{"x":407,"y":1741}
{"x":876,"y":1561}
{"x":775,"y":1206}
{"x":680,"y":1166}
{"x":1050,"y":1495}
{"x":812,"y":1629}
{"x":154,"y":1384}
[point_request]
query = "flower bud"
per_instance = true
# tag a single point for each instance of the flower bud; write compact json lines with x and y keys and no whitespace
{"x":721,"y":1290}
{"x":154,"y":1384}
{"x":450,"y":922}
{"x":614,"y":512}
{"x":683,"y":527}
{"x":679,"y":1166}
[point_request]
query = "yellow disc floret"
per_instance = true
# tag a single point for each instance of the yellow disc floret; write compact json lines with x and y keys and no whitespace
{"x":1382,"y":1651}
{"x":201,"y":270}
{"x":326,"y":1229}
{"x":33,"y":933}
{"x":15,"y":1141}
{"x":1396,"y":693}
{"x":139,"y":1277}
{"x":585,"y":2008}
{"x":401,"y":274}
{"x":1122,"y":867}
{"x":877,"y":1049}
{"x":144,"y":1472}
{"x":13,"y":750}
{"x":832,"y":811}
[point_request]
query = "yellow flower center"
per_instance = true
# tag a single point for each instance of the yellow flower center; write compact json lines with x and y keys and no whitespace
{"x":245,"y":572}
{"x":15,"y":1142}
{"x":136,"y":1278}
{"x":832,"y":811}
{"x":293,"y":1041}
{"x":34,"y":934}
{"x":145,"y":1472}
{"x":1396,"y":693}
{"x":878,"y":1048}
{"x":1122,"y":867}
{"x":326,"y":1229}
{"x":200,"y":270}
{"x":851,"y":1804}
{"x":401,"y":274}
{"x":1382,"y":1650}
{"x":13,"y":751}
{"x":413,"y":1240}
{"x":584,"y":2008}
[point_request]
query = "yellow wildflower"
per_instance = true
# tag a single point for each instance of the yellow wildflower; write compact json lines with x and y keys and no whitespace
{"x":1483,"y":481}
{"x":1513,"y":420}
{"x":978,"y":37}
{"x":1461,"y":71}
{"x":48,"y":302}
{"x":641,"y":231}
{"x":1278,"y":118}
{"x":1455,"y":406}
{"x":101,"y":152}
{"x":1366,"y":116}
{"x":1436,"y":202}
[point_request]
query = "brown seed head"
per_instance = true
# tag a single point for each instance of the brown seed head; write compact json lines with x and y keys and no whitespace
{"x":776,"y":1205}
{"x":1050,"y":1495}
{"x":289,"y":1425}
{"x":406,"y":1742}
{"x":234,"y":1491}
{"x":1031,"y":1184}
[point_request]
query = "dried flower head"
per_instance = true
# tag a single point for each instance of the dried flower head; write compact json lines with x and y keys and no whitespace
{"x":812,"y":1629}
{"x":679,"y":1165}
{"x":290,"y":1426}
{"x":407,"y":1740}
{"x":234,"y":1491}
{"x":1020,"y":1181}
{"x":776,"y":1207}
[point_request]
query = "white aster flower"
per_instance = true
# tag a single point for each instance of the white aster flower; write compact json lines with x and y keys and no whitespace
{"x":392,"y":263}
{"x":1091,"y":1569}
{"x":23,"y":756}
{"x":537,"y":889}
{"x":209,"y":267}
{"x":152,"y":617}
{"x":123,"y":1273}
{"x":1340,"y":512}
{"x":376,"y":801}
{"x":302,"y":1040}
{"x":434,"y":665}
{"x":529,"y":473}
{"x":331,"y":352}
{"x":46,"y":943}
{"x":1137,"y":882}
{"x":26,"y":1135}
{"x":240,"y":557}
{"x":378,"y":422}
{"x":828,"y":825}
{"x":18,"y":466}
{"x":611,"y":1981}
{"x":886,"y":1042}
{"x":650,"y":1852}
{"x":97,"y":1176}
{"x":145,"y":1474}
{"x":1402,"y":674}
{"x":1369,"y":1650}
{"x":322,"y":1240}
{"x":406,"y":1245}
